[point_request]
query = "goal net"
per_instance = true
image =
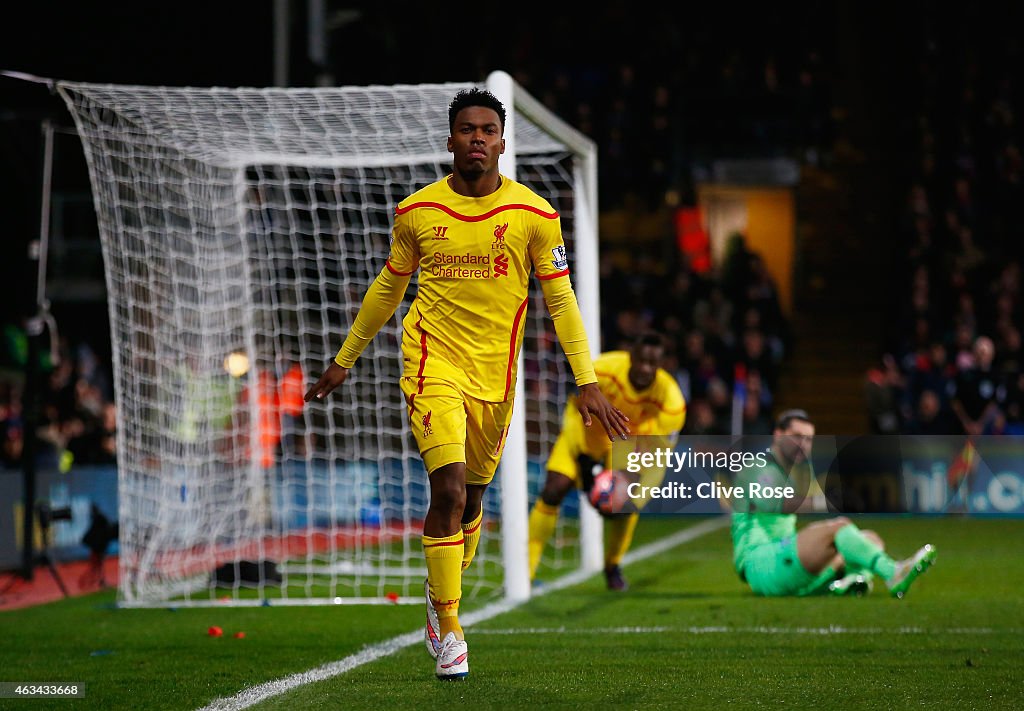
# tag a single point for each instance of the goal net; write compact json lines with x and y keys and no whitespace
{"x":240,"y":229}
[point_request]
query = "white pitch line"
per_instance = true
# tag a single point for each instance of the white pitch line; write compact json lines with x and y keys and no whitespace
{"x":830,"y":630}
{"x":261,"y":692}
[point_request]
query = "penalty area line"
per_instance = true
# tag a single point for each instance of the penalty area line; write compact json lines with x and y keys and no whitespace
{"x":261,"y":692}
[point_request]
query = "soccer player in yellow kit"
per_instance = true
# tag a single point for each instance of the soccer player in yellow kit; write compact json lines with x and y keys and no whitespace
{"x":649,"y":395}
{"x":475,"y":237}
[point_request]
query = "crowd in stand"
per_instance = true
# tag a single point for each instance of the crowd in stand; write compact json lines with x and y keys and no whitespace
{"x":725,"y":329}
{"x":658,"y":116}
{"x":682,"y":99}
{"x":659,"y":112}
{"x":77,"y":418}
{"x":953,"y":361}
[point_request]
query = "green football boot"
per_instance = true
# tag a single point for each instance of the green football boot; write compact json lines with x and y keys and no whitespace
{"x":908,"y":570}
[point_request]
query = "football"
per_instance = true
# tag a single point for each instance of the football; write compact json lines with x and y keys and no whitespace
{"x":608,"y":494}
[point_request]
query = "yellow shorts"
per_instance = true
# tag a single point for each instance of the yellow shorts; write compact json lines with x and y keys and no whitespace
{"x":450,"y":426}
{"x":572,"y":444}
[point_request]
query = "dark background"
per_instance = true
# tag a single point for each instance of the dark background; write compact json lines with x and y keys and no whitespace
{"x":877,"y":69}
{"x":231,"y":44}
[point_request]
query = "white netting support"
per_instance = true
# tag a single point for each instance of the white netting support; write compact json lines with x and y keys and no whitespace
{"x":240,"y":229}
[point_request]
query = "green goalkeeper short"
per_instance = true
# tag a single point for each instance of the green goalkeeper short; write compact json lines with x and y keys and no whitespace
{"x":774,"y":569}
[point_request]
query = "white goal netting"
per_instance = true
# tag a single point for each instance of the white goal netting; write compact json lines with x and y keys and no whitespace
{"x":240,"y":229}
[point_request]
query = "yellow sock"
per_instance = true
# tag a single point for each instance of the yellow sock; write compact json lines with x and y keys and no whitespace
{"x":444,"y":572}
{"x":471,"y":532}
{"x":543,"y":518}
{"x":622,"y":528}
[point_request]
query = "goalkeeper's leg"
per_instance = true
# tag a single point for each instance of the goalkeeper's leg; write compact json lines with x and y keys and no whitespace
{"x":839,"y":543}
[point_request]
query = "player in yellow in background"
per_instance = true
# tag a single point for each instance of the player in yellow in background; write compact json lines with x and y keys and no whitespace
{"x":636,"y":384}
{"x":475,"y":236}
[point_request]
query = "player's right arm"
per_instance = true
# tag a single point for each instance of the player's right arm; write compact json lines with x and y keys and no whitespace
{"x":334,"y":376}
{"x":379,"y":305}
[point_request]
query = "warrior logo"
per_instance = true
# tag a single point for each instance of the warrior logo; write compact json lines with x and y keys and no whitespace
{"x":439,"y":231}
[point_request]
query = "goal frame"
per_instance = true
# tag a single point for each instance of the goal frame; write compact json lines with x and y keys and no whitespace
{"x":514,"y":467}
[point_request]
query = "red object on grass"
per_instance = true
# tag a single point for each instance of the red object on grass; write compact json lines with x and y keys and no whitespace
{"x":215,"y":632}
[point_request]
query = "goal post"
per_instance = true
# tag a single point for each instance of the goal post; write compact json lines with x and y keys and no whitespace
{"x":240,"y":228}
{"x":586,"y":281}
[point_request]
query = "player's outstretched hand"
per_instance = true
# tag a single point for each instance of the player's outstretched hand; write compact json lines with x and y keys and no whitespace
{"x":334,"y":376}
{"x":591,"y":403}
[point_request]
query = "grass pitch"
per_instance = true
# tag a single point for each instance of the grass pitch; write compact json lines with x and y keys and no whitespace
{"x":687,"y":634}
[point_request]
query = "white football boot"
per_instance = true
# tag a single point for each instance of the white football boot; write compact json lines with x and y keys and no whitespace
{"x":852,"y":584}
{"x":432,"y":633}
{"x":452,"y":659}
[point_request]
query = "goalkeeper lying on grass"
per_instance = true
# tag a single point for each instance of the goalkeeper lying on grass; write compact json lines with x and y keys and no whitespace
{"x":832,"y":556}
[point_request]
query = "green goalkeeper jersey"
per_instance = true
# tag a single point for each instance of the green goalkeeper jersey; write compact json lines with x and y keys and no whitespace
{"x":757,"y":521}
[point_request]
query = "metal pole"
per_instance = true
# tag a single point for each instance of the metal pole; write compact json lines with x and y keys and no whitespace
{"x":282,"y":34}
{"x":34,"y":331}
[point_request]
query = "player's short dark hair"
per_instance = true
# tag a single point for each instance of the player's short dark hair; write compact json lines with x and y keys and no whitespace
{"x":474,"y":97}
{"x":787,"y":416}
{"x":649,"y":338}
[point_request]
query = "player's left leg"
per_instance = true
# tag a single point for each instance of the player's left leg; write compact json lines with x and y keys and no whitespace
{"x":486,"y":428}
{"x":862,"y":551}
{"x":472,"y":520}
{"x":622,"y":526}
{"x":486,"y":431}
{"x":907,"y":570}
{"x":839,"y":543}
{"x":620,"y":536}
